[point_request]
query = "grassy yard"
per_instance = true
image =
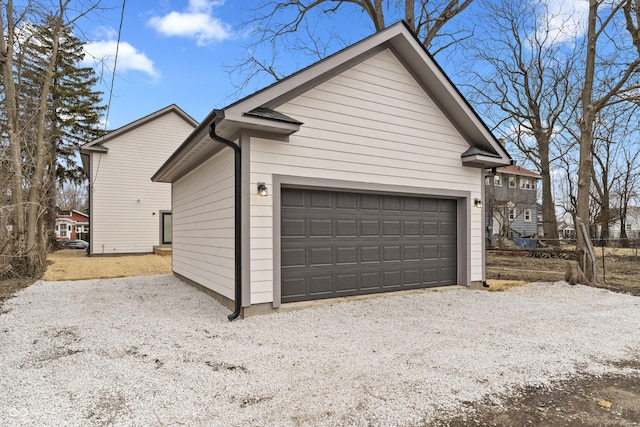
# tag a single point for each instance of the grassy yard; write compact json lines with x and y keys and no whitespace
{"x":73,"y":264}
{"x":621,"y":268}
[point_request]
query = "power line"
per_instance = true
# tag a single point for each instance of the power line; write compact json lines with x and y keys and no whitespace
{"x":113,"y":79}
{"x":115,"y":64}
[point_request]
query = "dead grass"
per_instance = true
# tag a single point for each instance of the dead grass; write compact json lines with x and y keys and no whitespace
{"x":504,"y":285}
{"x":71,"y":264}
{"x":621,"y":269}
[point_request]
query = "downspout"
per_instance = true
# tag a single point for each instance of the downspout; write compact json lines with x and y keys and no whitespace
{"x":237,"y":214}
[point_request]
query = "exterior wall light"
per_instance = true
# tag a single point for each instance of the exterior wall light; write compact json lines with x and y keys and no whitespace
{"x":477,"y":203}
{"x":263,"y":191}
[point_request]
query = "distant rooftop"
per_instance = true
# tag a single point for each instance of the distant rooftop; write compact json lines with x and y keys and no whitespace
{"x":517,"y":170}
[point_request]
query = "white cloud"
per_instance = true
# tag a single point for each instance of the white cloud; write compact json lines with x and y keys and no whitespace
{"x":129,"y":58}
{"x":566,"y":19}
{"x":197,"y":22}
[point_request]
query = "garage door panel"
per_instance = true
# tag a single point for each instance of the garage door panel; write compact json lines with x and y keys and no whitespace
{"x":411,"y":228}
{"x":294,"y":228}
{"x":411,"y":277}
{"x":447,"y":229}
{"x":293,"y":198}
{"x":321,"y":285}
{"x":429,"y":205}
{"x":320,"y":200}
{"x":320,"y":256}
{"x":391,"y":279}
{"x":346,"y":228}
{"x":320,"y":228}
{"x":370,"y":254}
{"x":391,"y":203}
{"x":391,"y":228}
{"x":346,"y":201}
{"x":448,"y":251}
{"x":369,"y":228}
{"x":294,"y":288}
{"x":370,"y":281}
{"x":347,"y":255}
{"x":410,"y":204}
{"x":430,"y":276}
{"x":391,"y":253}
{"x":293,"y":257}
{"x":411,"y":253}
{"x":340,"y":243}
{"x":347,"y":282}
{"x":447,"y":274}
{"x":447,"y":206}
{"x":370,"y":202}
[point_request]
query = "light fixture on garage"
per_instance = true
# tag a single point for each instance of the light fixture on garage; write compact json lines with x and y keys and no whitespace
{"x":263,"y":191}
{"x":477,"y":203}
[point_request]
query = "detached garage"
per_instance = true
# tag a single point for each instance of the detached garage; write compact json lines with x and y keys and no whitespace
{"x":360,"y":174}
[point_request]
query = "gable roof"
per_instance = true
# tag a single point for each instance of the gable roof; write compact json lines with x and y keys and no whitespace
{"x":98,"y":143}
{"x":517,"y":170}
{"x":258,"y":111}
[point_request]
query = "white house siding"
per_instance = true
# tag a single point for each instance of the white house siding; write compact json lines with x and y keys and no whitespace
{"x":374,"y":124}
{"x":125,"y":207}
{"x":203,"y":224}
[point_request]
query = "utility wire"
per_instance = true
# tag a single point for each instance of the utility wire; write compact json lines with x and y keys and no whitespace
{"x":113,"y":79}
{"x":115,"y":64}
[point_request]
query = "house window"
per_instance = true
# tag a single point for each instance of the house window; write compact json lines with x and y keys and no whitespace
{"x":525,"y":183}
{"x":527,"y":215}
{"x":63,"y":230}
{"x":512,"y":182}
{"x":497,"y":180}
{"x":487,"y":180}
{"x":512,"y":214}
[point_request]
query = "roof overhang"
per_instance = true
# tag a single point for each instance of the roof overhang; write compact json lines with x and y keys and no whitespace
{"x":478,"y":158}
{"x":199,"y":146}
{"x":239,"y":116}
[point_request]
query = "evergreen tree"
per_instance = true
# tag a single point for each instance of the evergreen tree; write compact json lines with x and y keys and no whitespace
{"x":74,"y":108}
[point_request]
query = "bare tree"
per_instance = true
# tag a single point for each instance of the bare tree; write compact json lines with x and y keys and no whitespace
{"x":629,"y":179}
{"x":72,"y":196}
{"x":524,"y":80}
{"x":25,"y":120}
{"x":611,"y":69}
{"x":306,"y":25}
{"x":613,"y":133}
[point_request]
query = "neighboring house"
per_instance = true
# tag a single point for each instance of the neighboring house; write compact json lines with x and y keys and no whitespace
{"x":632,"y":224}
{"x":511,"y":203}
{"x":360,"y":174}
{"x":566,"y":230}
{"x":129,"y":213}
{"x":72,"y":225}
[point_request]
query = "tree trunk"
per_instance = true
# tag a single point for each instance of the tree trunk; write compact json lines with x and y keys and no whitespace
{"x":17,"y":197}
{"x":549,"y":222}
{"x":36,"y":234}
{"x":586,"y":128}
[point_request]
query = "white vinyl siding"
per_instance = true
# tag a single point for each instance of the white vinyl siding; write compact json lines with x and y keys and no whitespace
{"x":126,"y":205}
{"x":203,"y":225}
{"x":373,"y":124}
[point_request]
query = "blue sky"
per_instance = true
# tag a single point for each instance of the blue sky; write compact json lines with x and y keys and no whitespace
{"x":171,"y":52}
{"x":180,"y":52}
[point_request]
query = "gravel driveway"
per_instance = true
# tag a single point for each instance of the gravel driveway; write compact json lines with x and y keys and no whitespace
{"x":151,"y":350}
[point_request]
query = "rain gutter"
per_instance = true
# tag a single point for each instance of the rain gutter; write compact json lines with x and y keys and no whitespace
{"x":237,"y":214}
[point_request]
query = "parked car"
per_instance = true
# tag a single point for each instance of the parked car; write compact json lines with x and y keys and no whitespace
{"x":74,"y":244}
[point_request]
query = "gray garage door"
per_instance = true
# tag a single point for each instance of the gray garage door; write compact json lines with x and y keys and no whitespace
{"x":338,"y":243}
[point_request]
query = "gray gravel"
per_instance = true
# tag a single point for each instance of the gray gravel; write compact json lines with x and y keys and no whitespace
{"x":154,"y":351}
